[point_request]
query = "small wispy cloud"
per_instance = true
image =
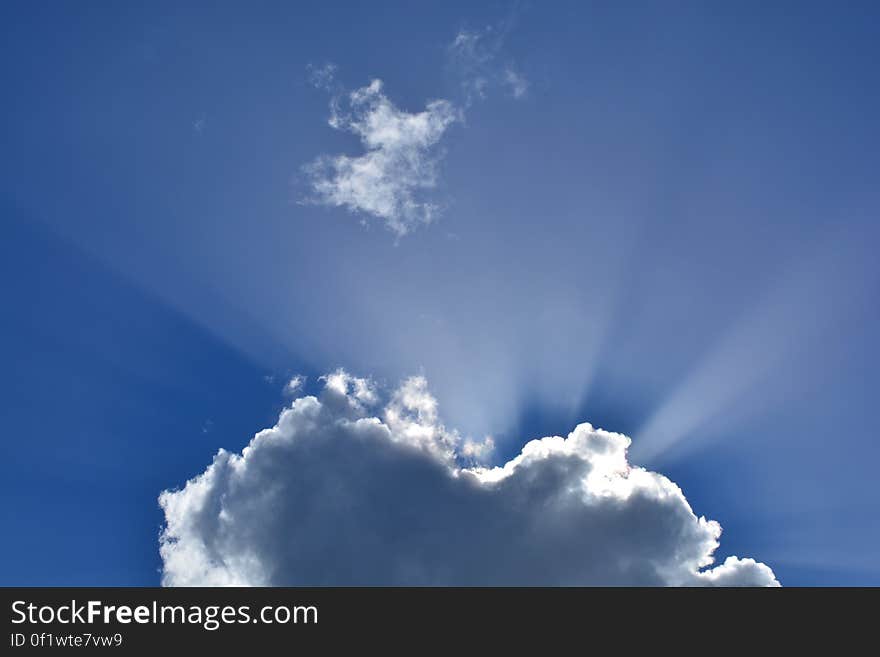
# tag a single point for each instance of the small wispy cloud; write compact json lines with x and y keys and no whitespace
{"x":322,"y":76}
{"x":200,"y":124}
{"x":477,"y":55}
{"x":392,"y":178}
{"x":471,"y":53}
{"x":516,"y":82}
{"x":295,"y":385}
{"x":399,"y":164}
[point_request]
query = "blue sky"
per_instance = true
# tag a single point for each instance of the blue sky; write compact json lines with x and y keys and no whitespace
{"x":670,"y":233}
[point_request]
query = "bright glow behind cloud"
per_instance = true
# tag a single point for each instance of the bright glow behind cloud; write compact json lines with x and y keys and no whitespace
{"x":792,"y":316}
{"x":333,"y":494}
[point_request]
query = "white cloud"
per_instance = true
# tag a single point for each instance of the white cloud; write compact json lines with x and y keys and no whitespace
{"x":399,"y":164}
{"x":357,"y":392}
{"x":334,"y":494}
{"x":390,"y":180}
{"x":295,"y":384}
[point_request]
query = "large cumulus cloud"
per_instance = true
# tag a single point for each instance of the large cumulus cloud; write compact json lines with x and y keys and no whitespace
{"x":345,"y":491}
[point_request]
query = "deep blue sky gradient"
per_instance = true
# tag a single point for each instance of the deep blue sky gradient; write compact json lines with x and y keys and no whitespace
{"x":672,"y":173}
